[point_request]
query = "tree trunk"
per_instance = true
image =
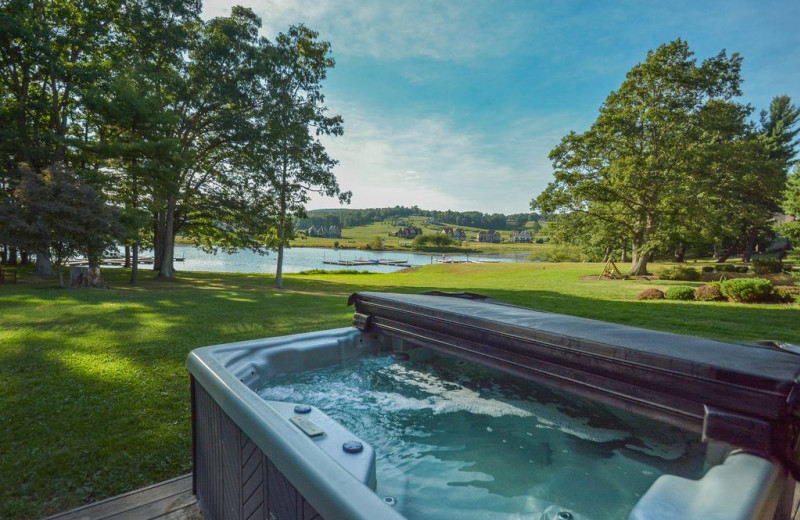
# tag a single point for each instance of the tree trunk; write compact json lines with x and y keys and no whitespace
{"x":281,"y":229}
{"x":639,"y":259}
{"x":4,"y":255}
{"x":135,"y":264}
{"x":679,"y":256}
{"x":88,"y":277}
{"x":749,"y":245}
{"x":12,"y":256}
{"x":93,"y":256}
{"x":639,"y":266}
{"x":127,"y":256}
{"x":43,"y":265}
{"x":624,"y":258}
{"x":158,"y":239}
{"x":279,"y":268}
{"x":24,"y":258}
{"x":166,"y":267}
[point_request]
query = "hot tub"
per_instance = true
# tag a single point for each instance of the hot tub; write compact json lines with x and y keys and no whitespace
{"x":270,"y":457}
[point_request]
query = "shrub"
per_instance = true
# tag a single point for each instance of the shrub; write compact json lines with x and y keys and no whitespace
{"x":377,"y":243}
{"x":725,"y":268}
{"x":742,"y":269}
{"x":764,"y":265}
{"x":787,"y":293}
{"x":557,"y":253}
{"x":747,"y":290}
{"x":708,"y":293}
{"x":708,"y":268}
{"x":651,"y":294}
{"x":680,"y":292}
{"x":433,"y":240}
{"x":681,"y":273}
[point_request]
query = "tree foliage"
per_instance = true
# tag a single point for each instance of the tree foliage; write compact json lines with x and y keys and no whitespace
{"x":671,"y":158}
{"x":159,"y":111}
{"x":289,"y":162}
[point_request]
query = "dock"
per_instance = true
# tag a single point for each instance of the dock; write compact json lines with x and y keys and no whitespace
{"x":116,"y":261}
{"x":357,"y":262}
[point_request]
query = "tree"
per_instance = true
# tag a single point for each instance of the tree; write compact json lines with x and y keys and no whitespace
{"x":288,"y":159}
{"x":49,"y":50}
{"x":652,"y":151}
{"x":755,"y":181}
{"x":57,"y":211}
{"x":791,"y":206}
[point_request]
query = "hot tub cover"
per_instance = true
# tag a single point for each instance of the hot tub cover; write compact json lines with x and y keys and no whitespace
{"x":744,"y":395}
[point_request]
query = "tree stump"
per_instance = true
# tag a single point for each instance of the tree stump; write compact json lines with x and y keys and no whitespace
{"x":86,"y":277}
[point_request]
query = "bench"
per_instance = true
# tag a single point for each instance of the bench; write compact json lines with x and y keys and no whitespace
{"x":8,"y":274}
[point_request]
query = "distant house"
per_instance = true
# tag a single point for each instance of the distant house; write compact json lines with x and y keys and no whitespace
{"x":521,"y":237}
{"x":408,"y":232}
{"x":455,"y":233}
{"x":491,"y":236}
{"x":324,"y":232}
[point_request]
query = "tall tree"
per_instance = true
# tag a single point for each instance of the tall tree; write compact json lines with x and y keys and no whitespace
{"x":49,"y":50}
{"x":288,"y":157}
{"x":57,"y":211}
{"x":649,"y":151}
{"x":791,"y":206}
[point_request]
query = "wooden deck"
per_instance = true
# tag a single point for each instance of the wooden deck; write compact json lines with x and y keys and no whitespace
{"x":173,"y":500}
{"x":169,"y":500}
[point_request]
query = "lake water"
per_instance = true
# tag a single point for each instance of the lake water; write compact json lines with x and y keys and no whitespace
{"x":306,"y":258}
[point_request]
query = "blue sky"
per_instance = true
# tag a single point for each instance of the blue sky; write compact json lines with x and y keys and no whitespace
{"x":456,"y":104}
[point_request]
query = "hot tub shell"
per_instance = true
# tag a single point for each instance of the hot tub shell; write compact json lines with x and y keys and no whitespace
{"x":250,"y":461}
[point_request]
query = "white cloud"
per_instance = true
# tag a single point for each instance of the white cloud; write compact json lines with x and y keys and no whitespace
{"x":440,"y":30}
{"x":435,"y":165}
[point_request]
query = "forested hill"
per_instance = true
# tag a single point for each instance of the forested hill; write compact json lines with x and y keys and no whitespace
{"x":360,"y":217}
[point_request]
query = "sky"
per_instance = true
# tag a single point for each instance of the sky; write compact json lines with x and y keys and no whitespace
{"x":456,"y":104}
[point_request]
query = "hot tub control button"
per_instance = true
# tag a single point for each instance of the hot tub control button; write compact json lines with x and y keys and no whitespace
{"x":565,"y":515}
{"x":353,"y":447}
{"x":308,"y":427}
{"x":302,"y":408}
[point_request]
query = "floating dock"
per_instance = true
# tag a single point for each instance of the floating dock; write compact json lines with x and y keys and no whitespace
{"x":360,"y":261}
{"x":117,"y":261}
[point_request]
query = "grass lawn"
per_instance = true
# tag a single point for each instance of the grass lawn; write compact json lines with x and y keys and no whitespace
{"x":94,"y":393}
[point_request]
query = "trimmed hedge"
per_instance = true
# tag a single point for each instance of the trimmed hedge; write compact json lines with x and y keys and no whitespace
{"x":747,"y":290}
{"x":787,"y":294}
{"x":708,"y":293}
{"x":685,"y":274}
{"x":765,"y":265}
{"x":651,"y":294}
{"x":680,"y":292}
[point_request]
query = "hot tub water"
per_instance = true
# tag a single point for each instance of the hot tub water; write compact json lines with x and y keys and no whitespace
{"x":456,"y":439}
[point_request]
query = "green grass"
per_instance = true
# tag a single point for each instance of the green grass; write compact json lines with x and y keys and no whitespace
{"x":94,"y":392}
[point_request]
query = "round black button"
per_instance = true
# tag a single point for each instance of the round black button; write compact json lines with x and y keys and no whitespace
{"x":353,"y":447}
{"x":302,"y":408}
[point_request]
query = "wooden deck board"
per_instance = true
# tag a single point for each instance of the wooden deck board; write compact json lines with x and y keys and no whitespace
{"x":169,"y":500}
{"x":173,"y":500}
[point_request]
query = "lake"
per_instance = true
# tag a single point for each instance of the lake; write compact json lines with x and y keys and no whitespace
{"x":306,"y":258}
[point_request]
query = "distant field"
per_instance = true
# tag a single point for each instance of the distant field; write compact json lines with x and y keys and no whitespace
{"x":358,"y":237}
{"x":94,"y":392}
